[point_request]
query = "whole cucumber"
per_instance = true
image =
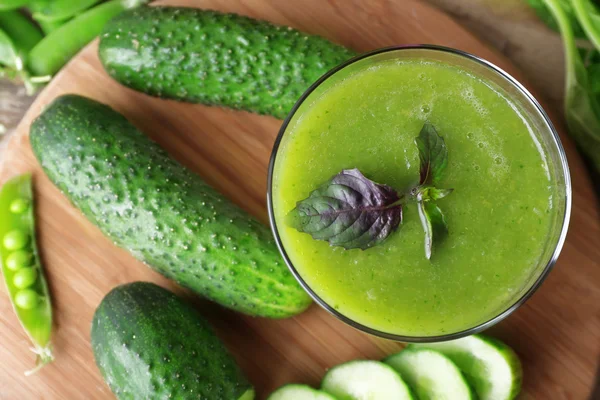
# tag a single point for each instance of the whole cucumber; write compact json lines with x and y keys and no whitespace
{"x":150,"y":344}
{"x":159,"y":211}
{"x":207,"y":57}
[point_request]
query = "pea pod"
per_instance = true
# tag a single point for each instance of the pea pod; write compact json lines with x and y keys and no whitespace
{"x":17,"y":36}
{"x":8,"y":53}
{"x":59,"y":10}
{"x":24,"y":34}
{"x":12,"y":4}
{"x":49,"y":55}
{"x":50,"y":26}
{"x":21,"y":266}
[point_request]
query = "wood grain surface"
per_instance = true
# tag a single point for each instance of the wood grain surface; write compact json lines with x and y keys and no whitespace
{"x":557,"y":332}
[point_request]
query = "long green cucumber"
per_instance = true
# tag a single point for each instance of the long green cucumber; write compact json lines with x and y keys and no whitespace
{"x":207,"y":57}
{"x":150,"y":344}
{"x":160,"y":212}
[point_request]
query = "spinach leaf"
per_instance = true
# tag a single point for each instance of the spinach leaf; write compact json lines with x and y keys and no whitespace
{"x":588,"y":16}
{"x":582,"y":109}
{"x":545,"y":14}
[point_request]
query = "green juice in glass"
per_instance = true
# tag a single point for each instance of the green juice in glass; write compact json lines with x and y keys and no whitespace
{"x":500,"y":215}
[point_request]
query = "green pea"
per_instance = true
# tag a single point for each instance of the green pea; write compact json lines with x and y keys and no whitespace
{"x":26,"y":299}
{"x":19,"y":259}
{"x":16,"y":239}
{"x":25,"y":277}
{"x":19,"y":206}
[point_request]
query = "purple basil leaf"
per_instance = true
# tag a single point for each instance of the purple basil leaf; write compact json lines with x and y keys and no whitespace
{"x":434,"y":224}
{"x":432,"y":153}
{"x":350,"y":211}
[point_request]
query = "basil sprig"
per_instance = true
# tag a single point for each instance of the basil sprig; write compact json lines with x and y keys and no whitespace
{"x":353,"y":212}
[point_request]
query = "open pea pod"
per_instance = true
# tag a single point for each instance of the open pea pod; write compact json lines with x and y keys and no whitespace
{"x":21,"y":266}
{"x":59,"y":10}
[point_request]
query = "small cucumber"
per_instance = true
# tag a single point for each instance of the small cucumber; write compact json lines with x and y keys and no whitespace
{"x":490,"y":366}
{"x":207,"y":57}
{"x":365,"y":380}
{"x":299,"y":392}
{"x":150,"y":344}
{"x":160,"y":212}
{"x":431,"y":375}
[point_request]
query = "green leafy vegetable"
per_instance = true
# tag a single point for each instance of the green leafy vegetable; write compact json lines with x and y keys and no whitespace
{"x":349,"y":211}
{"x":432,"y":153}
{"x":582,"y":110}
{"x":354,"y":212}
{"x":589,"y":18}
{"x":543,"y":12}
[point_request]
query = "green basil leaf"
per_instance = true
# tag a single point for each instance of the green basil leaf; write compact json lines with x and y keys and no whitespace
{"x":426,"y":193}
{"x":433,"y":154}
{"x":434,"y":224}
{"x":350,"y":211}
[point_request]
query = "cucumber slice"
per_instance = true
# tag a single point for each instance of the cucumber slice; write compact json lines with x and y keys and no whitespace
{"x":365,"y":380}
{"x":431,"y":375}
{"x":490,"y":366}
{"x":299,"y":392}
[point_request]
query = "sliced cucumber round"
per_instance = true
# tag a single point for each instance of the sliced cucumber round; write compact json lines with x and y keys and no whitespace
{"x":431,"y":375}
{"x":490,"y":366}
{"x":365,"y":380}
{"x":299,"y":392}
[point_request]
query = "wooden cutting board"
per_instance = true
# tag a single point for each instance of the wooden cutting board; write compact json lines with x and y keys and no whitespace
{"x":557,"y":333}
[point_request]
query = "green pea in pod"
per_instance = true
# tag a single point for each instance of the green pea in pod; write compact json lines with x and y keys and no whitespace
{"x":21,"y":266}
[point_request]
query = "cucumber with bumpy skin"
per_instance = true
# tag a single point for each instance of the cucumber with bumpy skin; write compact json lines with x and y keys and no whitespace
{"x":490,"y":366}
{"x":213,"y":58}
{"x":160,"y":212}
{"x":150,"y":344}
{"x":299,"y":392}
{"x":431,"y":375}
{"x":365,"y":380}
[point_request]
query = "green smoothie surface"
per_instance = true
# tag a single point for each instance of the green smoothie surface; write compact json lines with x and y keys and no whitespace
{"x":500,"y":214}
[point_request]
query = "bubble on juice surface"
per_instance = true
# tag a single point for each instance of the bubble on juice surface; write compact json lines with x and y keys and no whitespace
{"x":406,"y":159}
{"x":371,"y":294}
{"x":468,"y":94}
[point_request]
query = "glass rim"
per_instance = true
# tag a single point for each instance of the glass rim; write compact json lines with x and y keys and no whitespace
{"x":564,"y":167}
